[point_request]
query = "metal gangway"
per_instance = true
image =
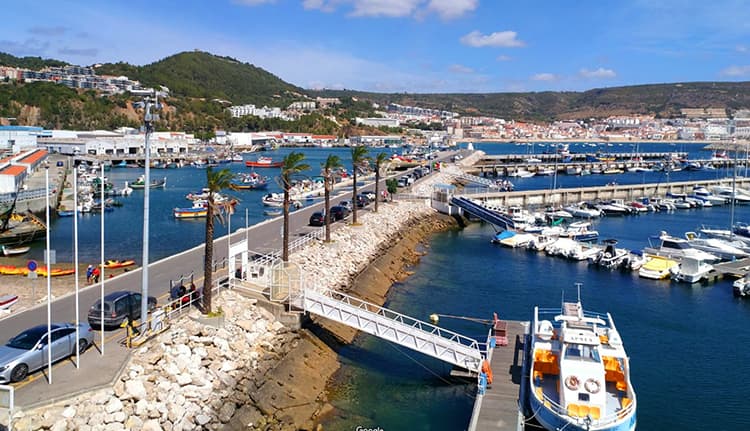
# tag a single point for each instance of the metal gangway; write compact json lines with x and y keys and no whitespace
{"x":489,"y":216}
{"x":423,"y":337}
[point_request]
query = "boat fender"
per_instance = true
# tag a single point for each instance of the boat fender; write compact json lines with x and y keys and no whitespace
{"x":487,"y":370}
{"x":571,"y":382}
{"x":592,"y":385}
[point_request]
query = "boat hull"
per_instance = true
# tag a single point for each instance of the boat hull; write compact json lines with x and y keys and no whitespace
{"x":251,"y":164}
{"x":190,"y":213}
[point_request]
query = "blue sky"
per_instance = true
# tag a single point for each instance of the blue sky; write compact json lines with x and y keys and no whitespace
{"x":406,"y":45}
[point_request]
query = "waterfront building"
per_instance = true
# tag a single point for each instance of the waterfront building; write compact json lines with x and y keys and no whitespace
{"x":378,"y":122}
{"x":103,"y":143}
{"x":14,"y":139}
{"x":16,"y":168}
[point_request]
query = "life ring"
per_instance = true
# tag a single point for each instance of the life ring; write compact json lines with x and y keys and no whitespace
{"x":571,"y":382}
{"x":592,"y":385}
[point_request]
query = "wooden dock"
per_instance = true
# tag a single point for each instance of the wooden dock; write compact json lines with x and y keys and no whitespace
{"x":735,"y":269}
{"x":499,"y":407}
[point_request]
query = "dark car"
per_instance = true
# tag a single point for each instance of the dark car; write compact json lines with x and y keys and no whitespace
{"x":339,"y":212}
{"x":346,"y":204}
{"x":317,"y":219}
{"x":118,"y":306}
{"x":362,"y":201}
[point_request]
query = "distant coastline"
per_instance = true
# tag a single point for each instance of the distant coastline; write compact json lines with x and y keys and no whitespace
{"x":568,"y":140}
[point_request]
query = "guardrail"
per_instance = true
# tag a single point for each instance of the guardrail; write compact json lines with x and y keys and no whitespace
{"x":24,"y":195}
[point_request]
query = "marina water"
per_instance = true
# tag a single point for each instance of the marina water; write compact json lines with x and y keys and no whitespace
{"x":688,"y":344}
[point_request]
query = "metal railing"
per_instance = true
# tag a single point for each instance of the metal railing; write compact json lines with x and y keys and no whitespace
{"x":401,"y":318}
{"x":24,"y":195}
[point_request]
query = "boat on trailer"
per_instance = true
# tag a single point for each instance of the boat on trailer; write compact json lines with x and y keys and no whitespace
{"x":579,"y":372}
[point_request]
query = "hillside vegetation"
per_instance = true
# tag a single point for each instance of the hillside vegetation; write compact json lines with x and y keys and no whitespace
{"x":202,"y":85}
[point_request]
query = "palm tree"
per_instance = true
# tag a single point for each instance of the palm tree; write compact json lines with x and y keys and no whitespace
{"x":332,"y":162}
{"x":359,"y":156}
{"x":292,"y":165}
{"x":215,"y":182}
{"x":379,"y":160}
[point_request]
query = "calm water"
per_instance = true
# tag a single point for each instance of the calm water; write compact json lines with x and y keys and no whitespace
{"x":688,"y":344}
{"x":124,"y":226}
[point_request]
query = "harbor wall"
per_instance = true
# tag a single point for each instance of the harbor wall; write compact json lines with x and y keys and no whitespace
{"x":541,"y":198}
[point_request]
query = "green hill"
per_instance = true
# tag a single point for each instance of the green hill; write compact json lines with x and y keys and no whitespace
{"x":203,"y":75}
{"x":33,"y":63}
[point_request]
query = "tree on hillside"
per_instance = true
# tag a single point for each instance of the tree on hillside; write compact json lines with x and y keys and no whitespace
{"x":380,"y":160}
{"x":332,"y":162}
{"x":359,"y":157}
{"x":292,"y":165}
{"x":216,"y":181}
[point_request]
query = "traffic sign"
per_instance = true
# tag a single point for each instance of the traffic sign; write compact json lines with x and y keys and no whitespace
{"x":31,"y":265}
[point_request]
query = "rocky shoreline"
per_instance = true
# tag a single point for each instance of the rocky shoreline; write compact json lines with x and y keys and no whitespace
{"x":252,"y":372}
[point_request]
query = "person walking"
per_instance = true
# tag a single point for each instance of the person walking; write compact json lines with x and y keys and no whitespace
{"x":89,"y":273}
{"x":95,"y":274}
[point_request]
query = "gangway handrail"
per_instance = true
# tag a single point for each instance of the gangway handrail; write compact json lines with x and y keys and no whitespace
{"x":401,"y":318}
{"x":482,"y":212}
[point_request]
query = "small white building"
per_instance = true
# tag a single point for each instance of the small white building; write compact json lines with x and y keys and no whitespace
{"x":378,"y":122}
{"x":15,"y":139}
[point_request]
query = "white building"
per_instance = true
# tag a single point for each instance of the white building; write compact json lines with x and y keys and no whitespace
{"x":378,"y":122}
{"x":14,"y":139}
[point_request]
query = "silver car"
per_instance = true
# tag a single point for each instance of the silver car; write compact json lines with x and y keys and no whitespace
{"x":27,"y":351}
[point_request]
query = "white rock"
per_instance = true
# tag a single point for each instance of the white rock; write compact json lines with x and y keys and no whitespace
{"x":152,"y":425}
{"x":114,"y":405}
{"x":184,"y":379}
{"x":69,"y":412}
{"x":134,"y":389}
{"x":141,"y":407}
{"x":228,"y":366}
{"x":61,"y":425}
{"x":202,"y":419}
{"x":119,"y":416}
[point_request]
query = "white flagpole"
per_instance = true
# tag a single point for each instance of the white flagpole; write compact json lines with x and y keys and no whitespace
{"x":49,"y":281}
{"x":75,"y":257}
{"x":229,"y":245}
{"x":101,"y":267}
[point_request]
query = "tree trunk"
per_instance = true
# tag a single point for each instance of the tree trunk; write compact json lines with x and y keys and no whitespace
{"x":377,"y":186}
{"x":328,"y":206}
{"x":285,"y":232}
{"x":208,"y":270}
{"x":354,"y":196}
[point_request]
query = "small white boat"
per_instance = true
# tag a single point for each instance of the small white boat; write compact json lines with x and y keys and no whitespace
{"x":584,"y":251}
{"x":741,"y":286}
{"x":12,"y":251}
{"x":517,"y":240}
{"x":273,"y":200}
{"x":677,"y":248}
{"x":540,"y":242}
{"x":691,"y":270}
{"x":718,"y":247}
{"x":582,"y":211}
{"x":611,"y":257}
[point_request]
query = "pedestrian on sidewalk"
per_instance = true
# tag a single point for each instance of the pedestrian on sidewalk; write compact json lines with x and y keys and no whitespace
{"x":89,"y":273}
{"x":95,"y":274}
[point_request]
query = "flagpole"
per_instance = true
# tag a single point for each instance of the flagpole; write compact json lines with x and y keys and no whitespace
{"x":49,"y":281}
{"x":75,"y":258}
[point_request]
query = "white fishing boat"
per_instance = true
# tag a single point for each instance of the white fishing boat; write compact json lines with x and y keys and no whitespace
{"x":691,"y":270}
{"x":611,"y":257}
{"x":540,"y":242}
{"x":701,"y":192}
{"x":582,"y":211}
{"x":584,"y":251}
{"x":13,"y":251}
{"x":741,"y":286}
{"x":727,"y":193}
{"x":517,"y":240}
{"x":579,"y":373}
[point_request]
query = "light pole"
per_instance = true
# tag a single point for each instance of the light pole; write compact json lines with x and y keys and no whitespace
{"x":75,"y":256}
{"x":49,"y":281}
{"x":101,"y":255}
{"x":148,"y":120}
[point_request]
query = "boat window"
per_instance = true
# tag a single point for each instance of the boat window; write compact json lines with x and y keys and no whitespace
{"x":582,"y":352}
{"x":583,"y":396}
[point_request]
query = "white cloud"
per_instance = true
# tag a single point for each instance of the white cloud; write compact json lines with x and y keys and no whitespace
{"x":742,"y":48}
{"x":446,"y":9}
{"x":736,"y":71}
{"x":598,"y":73}
{"x":503,"y":58}
{"x":459,"y":68}
{"x":548,"y":77}
{"x":449,"y":9}
{"x":506,"y":39}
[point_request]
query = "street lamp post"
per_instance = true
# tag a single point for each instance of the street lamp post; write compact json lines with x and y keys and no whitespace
{"x":148,"y":120}
{"x":49,"y":281}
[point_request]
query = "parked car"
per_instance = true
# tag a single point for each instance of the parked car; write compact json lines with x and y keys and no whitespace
{"x":339,"y":212}
{"x":118,"y":306}
{"x":346,"y":204}
{"x":362,"y":201}
{"x":370,"y":195}
{"x":317,"y":218}
{"x":27,"y":351}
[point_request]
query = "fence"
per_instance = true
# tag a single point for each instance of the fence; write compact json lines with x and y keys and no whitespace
{"x":24,"y":195}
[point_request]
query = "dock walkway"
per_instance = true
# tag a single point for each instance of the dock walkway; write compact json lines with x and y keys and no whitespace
{"x":499,"y":407}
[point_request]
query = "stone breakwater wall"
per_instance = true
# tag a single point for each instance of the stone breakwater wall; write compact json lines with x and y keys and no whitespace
{"x":252,"y":373}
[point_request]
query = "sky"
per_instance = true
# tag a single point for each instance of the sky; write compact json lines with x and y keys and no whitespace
{"x":416,"y":46}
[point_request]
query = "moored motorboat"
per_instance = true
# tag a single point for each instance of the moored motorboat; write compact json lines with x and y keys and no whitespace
{"x":691,"y":270}
{"x":7,"y":301}
{"x":263,"y":162}
{"x":12,"y":251}
{"x":677,"y":248}
{"x":199,"y":209}
{"x":579,"y":373}
{"x":657,"y":268}
{"x":741,"y":286}
{"x":140,"y":183}
{"x":716,"y":246}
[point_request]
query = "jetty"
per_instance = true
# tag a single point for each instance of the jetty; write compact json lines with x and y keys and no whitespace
{"x":498,"y":406}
